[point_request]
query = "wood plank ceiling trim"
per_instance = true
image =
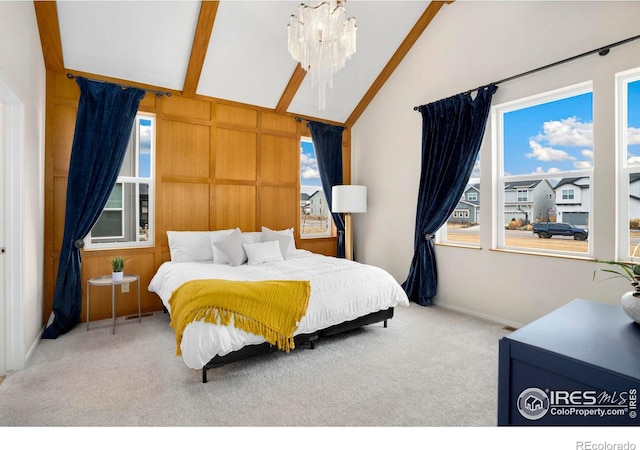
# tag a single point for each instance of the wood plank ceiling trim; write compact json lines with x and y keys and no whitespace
{"x":422,"y":23}
{"x":292,"y":87}
{"x":49,"y":28}
{"x":201,"y":38}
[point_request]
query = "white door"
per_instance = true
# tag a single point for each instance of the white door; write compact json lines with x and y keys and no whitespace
{"x":3,"y":328}
{"x":11,"y":150}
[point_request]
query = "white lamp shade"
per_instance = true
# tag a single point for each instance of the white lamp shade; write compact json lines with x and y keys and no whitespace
{"x":349,"y":198}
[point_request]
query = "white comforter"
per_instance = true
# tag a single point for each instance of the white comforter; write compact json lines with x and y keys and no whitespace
{"x":341,"y":290}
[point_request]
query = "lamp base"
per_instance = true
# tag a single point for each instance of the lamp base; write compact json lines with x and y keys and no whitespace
{"x":348,"y":241}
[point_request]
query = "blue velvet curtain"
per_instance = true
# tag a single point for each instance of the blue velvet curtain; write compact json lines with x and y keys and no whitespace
{"x":105,"y":117}
{"x":452,"y":131}
{"x":327,"y":142}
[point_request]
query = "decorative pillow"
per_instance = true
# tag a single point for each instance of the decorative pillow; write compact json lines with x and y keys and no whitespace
{"x":218,"y":255}
{"x":252,"y":237}
{"x":263,"y":252}
{"x":231,"y":246}
{"x":285,"y":238}
{"x":186,"y":246}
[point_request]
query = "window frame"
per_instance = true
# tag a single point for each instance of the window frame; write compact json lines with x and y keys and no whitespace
{"x":331,"y":231}
{"x":624,"y":170}
{"x":136,"y":181}
{"x":497,"y":130}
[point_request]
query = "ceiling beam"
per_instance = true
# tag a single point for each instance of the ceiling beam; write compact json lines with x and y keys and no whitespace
{"x":201,"y":38}
{"x":49,"y":28}
{"x":422,"y":23}
{"x":290,"y":91}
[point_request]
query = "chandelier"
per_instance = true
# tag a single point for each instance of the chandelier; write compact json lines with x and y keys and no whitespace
{"x":322,"y":39}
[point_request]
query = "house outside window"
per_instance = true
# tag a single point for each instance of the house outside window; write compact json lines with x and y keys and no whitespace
{"x":315,"y":217}
{"x":472,"y":196}
{"x":567,"y":194}
{"x":127,"y":218}
{"x":628,"y":139}
{"x":541,"y":140}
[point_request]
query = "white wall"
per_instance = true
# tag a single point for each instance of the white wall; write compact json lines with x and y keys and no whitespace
{"x":22,"y":68}
{"x":467,"y":45}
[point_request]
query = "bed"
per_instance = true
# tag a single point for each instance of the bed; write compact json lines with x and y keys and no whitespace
{"x":343,"y":294}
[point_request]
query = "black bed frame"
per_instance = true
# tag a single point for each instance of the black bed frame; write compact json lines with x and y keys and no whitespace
{"x":302,"y":340}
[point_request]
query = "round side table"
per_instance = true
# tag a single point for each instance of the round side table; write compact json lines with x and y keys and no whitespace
{"x":107,"y":280}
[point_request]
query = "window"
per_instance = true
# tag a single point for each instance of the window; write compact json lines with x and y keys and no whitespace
{"x":628,"y":139}
{"x":127,"y":218}
{"x":315,"y":217}
{"x":463,"y":225}
{"x":523,"y":196}
{"x":544,"y":145}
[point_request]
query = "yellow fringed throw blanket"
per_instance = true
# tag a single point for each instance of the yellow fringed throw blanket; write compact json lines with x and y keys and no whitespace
{"x":272,"y":308}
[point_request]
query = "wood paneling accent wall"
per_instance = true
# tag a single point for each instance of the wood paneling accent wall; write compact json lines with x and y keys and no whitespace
{"x":218,"y":165}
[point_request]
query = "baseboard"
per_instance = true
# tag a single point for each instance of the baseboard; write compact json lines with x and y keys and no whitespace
{"x":498,"y":320}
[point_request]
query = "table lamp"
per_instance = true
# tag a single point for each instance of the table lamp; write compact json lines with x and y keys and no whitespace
{"x":348,"y":199}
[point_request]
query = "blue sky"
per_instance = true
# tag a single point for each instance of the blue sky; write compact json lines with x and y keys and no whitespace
{"x":558,"y":136}
{"x":145,"y":148}
{"x":309,"y":174}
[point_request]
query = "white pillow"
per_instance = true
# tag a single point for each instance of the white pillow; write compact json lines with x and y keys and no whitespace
{"x":252,"y":237}
{"x":231,"y":246}
{"x":263,"y":252}
{"x":284,"y":237}
{"x":187,"y":246}
{"x":218,"y":255}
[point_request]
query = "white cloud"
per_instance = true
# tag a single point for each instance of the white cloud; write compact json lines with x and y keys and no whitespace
{"x":633,"y":136}
{"x":583,"y":165}
{"x":308,"y":167}
{"x":587,"y":153}
{"x":310,"y":173}
{"x":547,"y":154}
{"x":550,"y":170}
{"x":569,"y":132}
{"x":634,"y":161}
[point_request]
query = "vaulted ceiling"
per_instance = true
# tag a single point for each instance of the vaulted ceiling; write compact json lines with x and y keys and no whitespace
{"x":231,"y":49}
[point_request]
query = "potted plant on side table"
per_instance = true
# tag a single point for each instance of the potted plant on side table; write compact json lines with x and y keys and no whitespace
{"x":630,"y":300}
{"x":117,"y":265}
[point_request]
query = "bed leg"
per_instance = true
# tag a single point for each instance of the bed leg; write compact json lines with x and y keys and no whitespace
{"x":204,"y":374}
{"x":385,"y":324}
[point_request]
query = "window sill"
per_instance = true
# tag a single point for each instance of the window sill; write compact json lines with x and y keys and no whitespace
{"x":549,"y":255}
{"x":451,"y":244}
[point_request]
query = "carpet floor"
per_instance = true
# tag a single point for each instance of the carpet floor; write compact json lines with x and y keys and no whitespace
{"x":430,"y":367}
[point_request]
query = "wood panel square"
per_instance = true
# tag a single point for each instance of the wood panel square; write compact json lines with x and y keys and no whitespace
{"x":235,"y":155}
{"x":185,"y":207}
{"x":278,"y":207}
{"x":280,"y":162}
{"x":235,"y":207}
{"x":183,"y":149}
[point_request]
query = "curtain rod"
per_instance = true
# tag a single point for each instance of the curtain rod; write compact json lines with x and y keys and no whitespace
{"x":151,"y":91}
{"x":300,"y":119}
{"x":602,"y":51}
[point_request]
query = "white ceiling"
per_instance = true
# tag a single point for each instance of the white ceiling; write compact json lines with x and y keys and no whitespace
{"x":247,"y":61}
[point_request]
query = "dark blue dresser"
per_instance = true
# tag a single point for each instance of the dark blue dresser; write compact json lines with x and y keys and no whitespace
{"x":579,"y":365}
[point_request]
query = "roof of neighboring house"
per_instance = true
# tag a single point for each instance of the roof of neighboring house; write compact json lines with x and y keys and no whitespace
{"x":465,"y":203}
{"x":317,"y":193}
{"x":304,"y":196}
{"x":528,"y":184}
{"x":634,"y":177}
{"x":574,"y":181}
{"x":475,"y":186}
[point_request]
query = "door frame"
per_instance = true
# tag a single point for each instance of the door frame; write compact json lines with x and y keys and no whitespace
{"x":12,"y":355}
